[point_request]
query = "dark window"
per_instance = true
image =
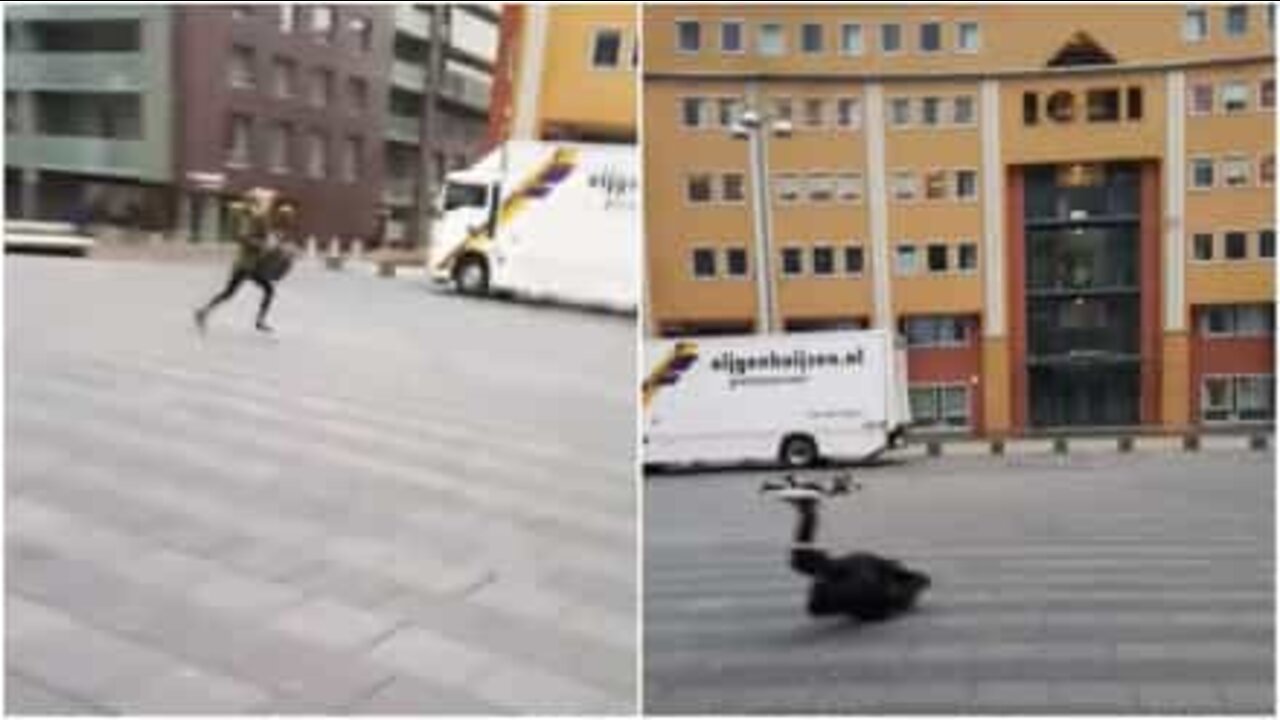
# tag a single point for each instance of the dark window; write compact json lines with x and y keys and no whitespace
{"x":699,"y":188}
{"x":934,"y":330}
{"x":937,"y":258}
{"x":1104,"y":105}
{"x":1082,"y":258}
{"x":1236,"y":243}
{"x":1267,"y":243}
{"x":1202,"y":246}
{"x":890,"y":37}
{"x":853,"y":260}
{"x":85,"y":35}
{"x":704,"y":262}
{"x":116,"y":116}
{"x":824,"y":261}
{"x":736,"y":262}
{"x":931,"y":37}
{"x":1030,"y":108}
{"x":1237,"y":19}
{"x":458,"y":195}
{"x":731,"y":36}
{"x":1061,"y":107}
{"x":1133,"y":103}
{"x":792,"y":261}
{"x":691,"y":111}
{"x":689,"y":36}
{"x":968,"y":256}
{"x":731,"y":187}
{"x":607,"y":52}
{"x":811,"y":37}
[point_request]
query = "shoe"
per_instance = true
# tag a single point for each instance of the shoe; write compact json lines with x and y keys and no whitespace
{"x":263,"y":327}
{"x":796,"y":494}
{"x":201,"y":316}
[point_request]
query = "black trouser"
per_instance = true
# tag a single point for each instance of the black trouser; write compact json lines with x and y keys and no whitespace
{"x":238,"y":276}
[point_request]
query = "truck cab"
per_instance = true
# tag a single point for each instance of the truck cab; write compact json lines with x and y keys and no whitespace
{"x":467,"y":218}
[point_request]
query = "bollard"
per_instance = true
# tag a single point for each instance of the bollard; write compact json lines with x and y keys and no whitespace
{"x":333,"y":260}
{"x":934,"y":448}
{"x":1059,"y":446}
{"x":997,"y":446}
{"x":1124,"y":443}
{"x":357,"y":249}
{"x":1191,"y":442}
{"x":386,"y":268}
{"x":313,"y":250}
{"x":1258,"y":442}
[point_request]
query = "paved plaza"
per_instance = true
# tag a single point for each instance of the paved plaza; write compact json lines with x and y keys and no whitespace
{"x":1098,"y":583}
{"x":404,"y":501}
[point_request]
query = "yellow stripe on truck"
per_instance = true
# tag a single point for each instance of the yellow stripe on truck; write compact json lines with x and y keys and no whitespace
{"x":668,"y":372}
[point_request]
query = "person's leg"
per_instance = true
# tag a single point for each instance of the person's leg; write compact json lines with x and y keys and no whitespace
{"x":233,"y":284}
{"x":268,"y":294}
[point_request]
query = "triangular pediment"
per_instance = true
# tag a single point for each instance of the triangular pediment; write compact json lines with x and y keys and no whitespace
{"x":1082,"y":49}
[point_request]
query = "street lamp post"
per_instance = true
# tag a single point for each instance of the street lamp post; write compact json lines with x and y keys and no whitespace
{"x":756,"y":129}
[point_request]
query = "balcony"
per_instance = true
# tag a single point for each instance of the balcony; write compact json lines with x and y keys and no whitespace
{"x":409,"y":76}
{"x":466,"y":91}
{"x":401,"y":128}
{"x":93,"y":156}
{"x":99,"y":72}
{"x":412,"y":21}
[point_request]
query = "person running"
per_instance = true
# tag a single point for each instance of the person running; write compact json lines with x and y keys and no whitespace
{"x":254,"y":238}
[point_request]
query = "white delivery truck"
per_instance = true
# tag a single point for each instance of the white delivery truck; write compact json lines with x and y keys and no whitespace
{"x":789,"y":398}
{"x":544,"y":220}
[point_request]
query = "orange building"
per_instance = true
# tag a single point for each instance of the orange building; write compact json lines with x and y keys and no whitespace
{"x":566,"y":72}
{"x":1067,"y":211}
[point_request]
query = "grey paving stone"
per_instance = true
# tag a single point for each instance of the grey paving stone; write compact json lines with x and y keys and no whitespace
{"x":1180,"y":697}
{"x":414,"y":696}
{"x":185,"y":690}
{"x":237,"y":592}
{"x":24,"y":619}
{"x":333,"y":624}
{"x":83,"y":662}
{"x":168,"y":569}
{"x":26,"y":697}
{"x":421,"y":653}
{"x":1027,"y":694}
{"x":1248,"y":697}
{"x":1093,"y":696}
{"x":526,"y":689}
{"x":948,"y":697}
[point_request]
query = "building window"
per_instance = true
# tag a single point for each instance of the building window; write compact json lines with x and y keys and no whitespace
{"x":1237,"y":398}
{"x":849,"y":113}
{"x":691,"y":113}
{"x":731,"y":36}
{"x":357,"y":94}
{"x":239,"y":141}
{"x":1235,"y":171}
{"x":704,"y":263}
{"x":968,"y":259}
{"x":935,"y":185}
{"x":787,"y":187}
{"x":288,"y":18}
{"x":317,"y":155}
{"x":688,"y":36}
{"x":352,"y":159}
{"x":1236,"y":245}
{"x":811,"y":38}
{"x":286,"y":77}
{"x":930,"y":37}
{"x":900,"y":111}
{"x":698,"y":188}
{"x":1061,"y":107}
{"x":241,"y":12}
{"x":1267,"y":93}
{"x":934,"y":331}
{"x":729,"y":111}
{"x":962,"y":110}
{"x":240,"y":72}
{"x":1267,"y":170}
{"x":1133,"y":103}
{"x":279,"y":143}
{"x":936,"y":257}
{"x":1237,"y":20}
{"x":969,"y":38}
{"x":1201,"y":99}
{"x":939,"y":406}
{"x":1030,"y":108}
{"x":606,"y":49}
{"x":1227,"y":321}
{"x":732,"y":187}
{"x":362,"y":29}
{"x":905,"y":260}
{"x":849,"y":187}
{"x":890,"y":38}
{"x":782,"y":109}
{"x":1103,"y":105}
{"x":824,"y":260}
{"x":1202,"y":246}
{"x":813,"y":113}
{"x":771,"y":41}
{"x":735,"y":262}
{"x":1267,"y":243}
{"x":966,"y":184}
{"x":1195,"y":24}
{"x":904,"y":185}
{"x":1202,"y":172}
{"x":792,"y":261}
{"x":850,"y":39}
{"x":930,"y":111}
{"x":322,"y":23}
{"x":853,"y":260}
{"x":321,"y":91}
{"x":1235,"y":97}
{"x":822,"y":187}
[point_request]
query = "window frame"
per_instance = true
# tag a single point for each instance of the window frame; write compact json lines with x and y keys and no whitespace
{"x":803,"y":30}
{"x":1191,"y":172}
{"x":689,"y":176}
{"x":679,"y":43}
{"x":977,"y":47}
{"x":799,"y":252}
{"x":881,"y":35}
{"x":901,"y":249}
{"x":862,"y":45}
{"x":828,"y":248}
{"x":942,"y":42}
{"x":844,"y":259}
{"x":594,"y":46}
{"x":782,"y":39}
{"x":729,"y":252}
{"x":710,"y":251}
{"x":741,"y":24}
{"x":1196,"y":245}
{"x":1235,"y":161}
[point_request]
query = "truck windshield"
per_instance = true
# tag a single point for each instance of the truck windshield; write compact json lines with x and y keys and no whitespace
{"x":463,"y":195}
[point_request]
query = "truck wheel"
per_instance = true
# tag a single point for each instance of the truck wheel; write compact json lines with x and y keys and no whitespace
{"x":798,"y":451}
{"x":471,"y":276}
